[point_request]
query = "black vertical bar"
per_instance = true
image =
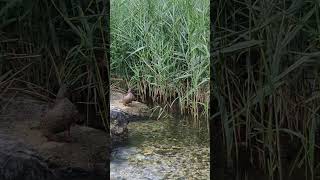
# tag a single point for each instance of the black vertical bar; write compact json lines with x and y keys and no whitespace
{"x":107,"y":21}
{"x":217,"y":156}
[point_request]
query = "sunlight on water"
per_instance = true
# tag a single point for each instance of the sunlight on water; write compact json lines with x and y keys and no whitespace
{"x":164,"y":149}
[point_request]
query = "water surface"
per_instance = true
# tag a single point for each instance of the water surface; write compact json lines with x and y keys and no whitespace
{"x":163,"y":149}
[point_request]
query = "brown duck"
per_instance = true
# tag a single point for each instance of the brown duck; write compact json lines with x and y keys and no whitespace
{"x":127,"y":99}
{"x":59,"y":118}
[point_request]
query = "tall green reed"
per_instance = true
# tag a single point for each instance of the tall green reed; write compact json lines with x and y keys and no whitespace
{"x":161,"y":47}
{"x":267,"y":55}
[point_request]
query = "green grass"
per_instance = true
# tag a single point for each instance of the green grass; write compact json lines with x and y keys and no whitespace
{"x":266,"y":57}
{"x":161,"y":49}
{"x":46,"y":43}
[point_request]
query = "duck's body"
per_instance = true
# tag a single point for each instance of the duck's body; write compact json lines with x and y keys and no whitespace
{"x":128,"y":98}
{"x":59,"y":118}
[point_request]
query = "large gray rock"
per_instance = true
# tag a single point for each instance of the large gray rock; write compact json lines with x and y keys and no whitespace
{"x":119,"y":122}
{"x":118,"y":126}
{"x":20,"y":162}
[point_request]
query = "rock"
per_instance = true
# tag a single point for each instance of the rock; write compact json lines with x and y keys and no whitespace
{"x":119,"y":122}
{"x":134,"y":111}
{"x":85,"y":156}
{"x":20,"y":162}
{"x":121,"y":115}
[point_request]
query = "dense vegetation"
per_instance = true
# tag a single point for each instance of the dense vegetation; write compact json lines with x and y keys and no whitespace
{"x":266,"y":85}
{"x":46,"y":43}
{"x":161,"y":49}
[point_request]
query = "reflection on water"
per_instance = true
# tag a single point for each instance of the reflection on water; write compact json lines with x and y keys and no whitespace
{"x":164,"y":149}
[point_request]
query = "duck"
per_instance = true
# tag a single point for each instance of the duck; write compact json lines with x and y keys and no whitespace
{"x":60,"y":117}
{"x":128,"y":98}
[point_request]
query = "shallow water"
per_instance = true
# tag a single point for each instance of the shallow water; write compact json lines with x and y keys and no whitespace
{"x":164,"y":149}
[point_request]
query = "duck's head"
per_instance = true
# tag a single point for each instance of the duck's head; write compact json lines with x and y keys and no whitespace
{"x":63,"y":92}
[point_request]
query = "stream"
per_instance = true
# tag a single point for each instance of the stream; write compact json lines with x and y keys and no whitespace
{"x":162,"y":149}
